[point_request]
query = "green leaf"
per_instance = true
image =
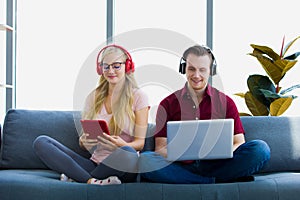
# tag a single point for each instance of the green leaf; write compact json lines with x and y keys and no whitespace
{"x":273,"y":68}
{"x":270,"y":94}
{"x":279,"y":106}
{"x":244,"y":114}
{"x":255,"y":107}
{"x":256,"y":83}
{"x":289,"y":89}
{"x":240,"y":94}
{"x":282,"y":45}
{"x":293,"y":56}
{"x":286,"y":48}
{"x":265,"y":50}
{"x":287,"y":65}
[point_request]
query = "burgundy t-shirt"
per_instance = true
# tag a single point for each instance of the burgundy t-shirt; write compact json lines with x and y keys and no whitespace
{"x":180,"y":106}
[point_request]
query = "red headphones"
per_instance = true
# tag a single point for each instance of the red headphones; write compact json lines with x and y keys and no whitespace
{"x":129,"y":65}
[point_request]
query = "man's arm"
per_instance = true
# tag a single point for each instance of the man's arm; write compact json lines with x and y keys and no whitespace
{"x":238,"y":139}
{"x":161,"y":146}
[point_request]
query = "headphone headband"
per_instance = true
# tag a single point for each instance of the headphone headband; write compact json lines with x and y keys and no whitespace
{"x":129,"y":65}
{"x":182,"y":64}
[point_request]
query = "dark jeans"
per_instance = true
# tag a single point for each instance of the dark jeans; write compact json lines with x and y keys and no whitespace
{"x":248,"y":159}
{"x":122,"y":162}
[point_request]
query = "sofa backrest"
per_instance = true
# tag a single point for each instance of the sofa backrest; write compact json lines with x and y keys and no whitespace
{"x":21,"y":127}
{"x":282,"y":135}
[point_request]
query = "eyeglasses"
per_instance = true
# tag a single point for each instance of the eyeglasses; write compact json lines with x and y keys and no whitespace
{"x":116,"y":66}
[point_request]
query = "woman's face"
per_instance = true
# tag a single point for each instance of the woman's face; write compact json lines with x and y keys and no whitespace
{"x":113,"y":66}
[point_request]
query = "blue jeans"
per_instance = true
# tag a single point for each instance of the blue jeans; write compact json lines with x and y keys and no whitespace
{"x":247,"y":159}
{"x":61,"y":159}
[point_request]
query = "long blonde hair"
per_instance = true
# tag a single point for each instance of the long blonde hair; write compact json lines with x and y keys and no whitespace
{"x":121,"y":106}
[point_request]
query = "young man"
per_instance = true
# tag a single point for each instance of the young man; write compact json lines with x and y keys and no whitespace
{"x":198,"y":100}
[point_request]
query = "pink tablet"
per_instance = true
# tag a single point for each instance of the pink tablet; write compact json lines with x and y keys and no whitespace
{"x":94,"y":128}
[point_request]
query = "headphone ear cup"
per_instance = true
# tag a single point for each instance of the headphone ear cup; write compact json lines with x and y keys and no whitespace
{"x":214,"y":70}
{"x":99,"y":69}
{"x":129,"y":66}
{"x":132,"y":66}
{"x":182,"y":66}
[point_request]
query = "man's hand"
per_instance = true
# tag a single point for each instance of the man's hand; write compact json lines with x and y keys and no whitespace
{"x":161,"y":146}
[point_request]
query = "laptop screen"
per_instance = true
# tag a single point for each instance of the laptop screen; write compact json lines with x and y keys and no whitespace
{"x":200,"y":139}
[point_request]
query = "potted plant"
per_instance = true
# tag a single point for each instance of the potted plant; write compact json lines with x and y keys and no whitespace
{"x":266,"y":96}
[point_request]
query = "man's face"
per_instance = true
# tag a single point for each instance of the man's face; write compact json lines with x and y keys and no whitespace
{"x":197,"y":71}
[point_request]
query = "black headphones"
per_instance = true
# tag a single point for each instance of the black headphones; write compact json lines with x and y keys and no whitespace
{"x":197,"y":48}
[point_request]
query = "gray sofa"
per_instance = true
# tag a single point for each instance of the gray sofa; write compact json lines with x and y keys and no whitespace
{"x":24,"y":176}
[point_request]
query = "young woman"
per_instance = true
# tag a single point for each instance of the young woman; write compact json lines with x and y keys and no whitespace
{"x":124,"y":107}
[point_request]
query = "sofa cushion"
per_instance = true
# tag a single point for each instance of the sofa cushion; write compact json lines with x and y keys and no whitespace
{"x":45,"y":184}
{"x":282,"y":134}
{"x":21,"y":127}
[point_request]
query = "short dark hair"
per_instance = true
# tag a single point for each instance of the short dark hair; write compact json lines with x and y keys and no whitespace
{"x":200,"y":50}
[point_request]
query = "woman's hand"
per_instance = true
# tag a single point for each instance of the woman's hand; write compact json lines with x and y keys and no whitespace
{"x":110,"y":142}
{"x":88,"y":144}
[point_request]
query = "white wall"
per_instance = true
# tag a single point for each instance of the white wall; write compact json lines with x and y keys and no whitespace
{"x":58,"y":40}
{"x":241,"y":23}
{"x":54,"y":40}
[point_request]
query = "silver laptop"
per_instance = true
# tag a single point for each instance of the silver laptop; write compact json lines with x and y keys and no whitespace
{"x":200,"y":139}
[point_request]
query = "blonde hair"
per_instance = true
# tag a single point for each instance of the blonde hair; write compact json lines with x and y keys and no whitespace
{"x":122,"y":106}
